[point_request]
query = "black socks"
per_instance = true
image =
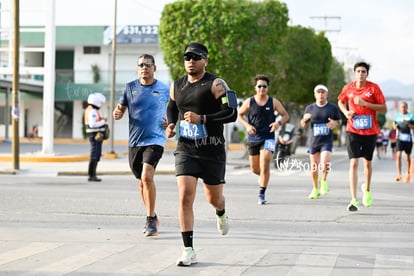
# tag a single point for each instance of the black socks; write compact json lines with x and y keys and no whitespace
{"x":187,"y":238}
{"x":220,"y":213}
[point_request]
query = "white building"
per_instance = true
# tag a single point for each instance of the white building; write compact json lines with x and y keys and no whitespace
{"x":83,"y":66}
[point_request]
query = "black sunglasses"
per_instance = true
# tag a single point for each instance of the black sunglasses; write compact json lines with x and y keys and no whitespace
{"x":262,"y":86}
{"x":146,"y":64}
{"x":189,"y":57}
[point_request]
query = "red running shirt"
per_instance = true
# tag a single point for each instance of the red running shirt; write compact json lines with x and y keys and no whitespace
{"x":364,"y":121}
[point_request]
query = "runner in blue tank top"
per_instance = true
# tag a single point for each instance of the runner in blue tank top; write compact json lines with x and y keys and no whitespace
{"x":261,"y":126}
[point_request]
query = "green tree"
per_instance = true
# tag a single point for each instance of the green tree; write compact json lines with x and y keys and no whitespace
{"x":306,"y":62}
{"x":242,"y":37}
{"x":381,"y":118}
{"x":246,"y":38}
{"x":336,"y":80}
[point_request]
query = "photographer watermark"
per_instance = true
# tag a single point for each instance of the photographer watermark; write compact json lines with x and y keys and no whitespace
{"x":288,"y":164}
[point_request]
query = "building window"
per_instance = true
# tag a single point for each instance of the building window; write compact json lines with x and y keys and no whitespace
{"x":94,"y":50}
{"x":3,"y":115}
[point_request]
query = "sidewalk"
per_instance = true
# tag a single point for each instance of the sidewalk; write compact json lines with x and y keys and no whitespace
{"x":71,"y":158}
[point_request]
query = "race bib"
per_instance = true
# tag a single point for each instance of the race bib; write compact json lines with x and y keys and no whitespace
{"x":404,"y":137}
{"x":192,"y":131}
{"x":320,"y":130}
{"x":362,"y":121}
{"x":269,"y":145}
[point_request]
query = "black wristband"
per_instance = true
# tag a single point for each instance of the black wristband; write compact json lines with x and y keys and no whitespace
{"x":201,"y":118}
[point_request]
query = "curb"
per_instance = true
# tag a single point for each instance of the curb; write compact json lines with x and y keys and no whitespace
{"x":28,"y":158}
{"x":51,"y":158}
{"x":83,"y":157}
{"x":84,"y":173}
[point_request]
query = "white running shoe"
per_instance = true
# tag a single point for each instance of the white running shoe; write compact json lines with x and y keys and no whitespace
{"x":188,"y":257}
{"x":223,"y":224}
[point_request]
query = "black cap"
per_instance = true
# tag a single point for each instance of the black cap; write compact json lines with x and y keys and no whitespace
{"x":197,"y":49}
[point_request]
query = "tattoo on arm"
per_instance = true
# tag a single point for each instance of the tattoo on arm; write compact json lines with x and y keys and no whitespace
{"x":221,"y":87}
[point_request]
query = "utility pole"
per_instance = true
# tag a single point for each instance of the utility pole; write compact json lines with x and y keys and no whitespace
{"x":325,"y":23}
{"x":15,"y":88}
{"x":328,"y":29}
{"x":348,"y":60}
{"x":347,"y":51}
{"x":113,"y":84}
{"x":6,"y":110}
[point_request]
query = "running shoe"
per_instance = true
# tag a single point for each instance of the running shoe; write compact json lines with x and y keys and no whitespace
{"x":314,"y":194}
{"x":223,"y":224}
{"x":151,"y":226}
{"x":324,"y":187}
{"x":261,"y":199}
{"x":408,"y":177}
{"x":188,"y":257}
{"x":398,"y":178}
{"x":144,"y":230}
{"x":353,"y":205}
{"x":367,"y":197}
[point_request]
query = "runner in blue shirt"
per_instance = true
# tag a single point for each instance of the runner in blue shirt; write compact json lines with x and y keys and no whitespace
{"x":146,"y":99}
{"x":403,"y":123}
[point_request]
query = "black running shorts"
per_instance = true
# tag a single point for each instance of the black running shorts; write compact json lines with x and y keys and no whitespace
{"x":361,"y":145}
{"x":146,"y":154}
{"x":211,"y":171}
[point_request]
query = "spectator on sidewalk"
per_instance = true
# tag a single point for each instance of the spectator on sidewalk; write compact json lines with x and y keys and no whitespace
{"x":94,"y":127}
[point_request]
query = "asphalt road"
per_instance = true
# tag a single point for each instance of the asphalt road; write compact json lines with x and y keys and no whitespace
{"x":64,"y":225}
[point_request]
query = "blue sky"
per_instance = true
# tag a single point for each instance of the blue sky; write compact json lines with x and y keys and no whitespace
{"x":377,"y":31}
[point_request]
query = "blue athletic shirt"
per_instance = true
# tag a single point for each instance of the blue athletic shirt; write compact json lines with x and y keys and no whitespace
{"x":404,"y":132}
{"x":146,"y":108}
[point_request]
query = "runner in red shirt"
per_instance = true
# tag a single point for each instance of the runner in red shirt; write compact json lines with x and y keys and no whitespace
{"x":360,"y":101}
